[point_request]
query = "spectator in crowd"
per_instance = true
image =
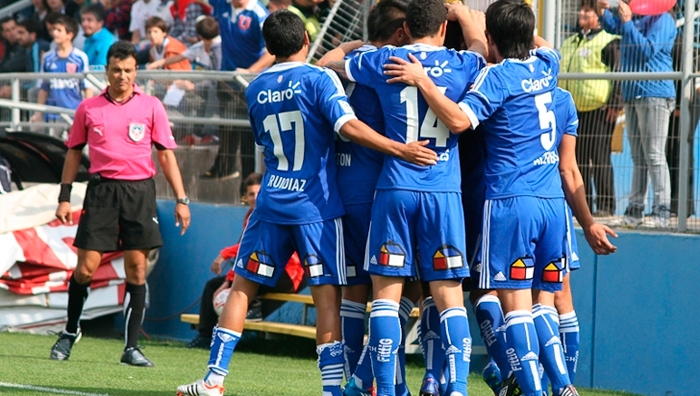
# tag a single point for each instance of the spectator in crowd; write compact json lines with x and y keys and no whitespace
{"x":598,"y":103}
{"x":164,"y":46}
{"x":141,"y":10}
{"x":49,"y":21}
{"x":185,"y":14}
{"x":97,"y":38}
{"x":118,"y":17}
{"x":242,"y":50}
{"x":65,"y":7}
{"x":307,"y":10}
{"x":62,"y":92}
{"x":673,"y":144}
{"x":647,"y":42}
{"x":13,"y":56}
{"x":204,"y":55}
{"x":33,"y":50}
{"x":275,"y":5}
{"x":292,"y":279}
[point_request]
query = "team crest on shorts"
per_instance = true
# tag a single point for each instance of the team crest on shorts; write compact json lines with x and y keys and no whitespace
{"x":137,"y":131}
{"x":552,"y":273}
{"x":392,"y":254}
{"x":313,"y":266}
{"x":261,"y":264}
{"x":522,"y":269}
{"x":446,"y":258}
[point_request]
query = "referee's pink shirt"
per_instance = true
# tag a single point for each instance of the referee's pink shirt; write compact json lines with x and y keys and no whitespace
{"x":120,"y":136}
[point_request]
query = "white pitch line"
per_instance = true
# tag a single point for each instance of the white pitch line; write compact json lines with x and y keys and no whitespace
{"x":48,"y":390}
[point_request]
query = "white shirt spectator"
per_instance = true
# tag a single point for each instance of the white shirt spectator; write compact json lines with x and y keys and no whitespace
{"x":142,"y":10}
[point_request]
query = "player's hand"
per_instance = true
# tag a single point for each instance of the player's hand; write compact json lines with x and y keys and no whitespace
{"x":182,"y":216}
{"x":417,"y":153}
{"x":64,"y":213}
{"x":216,"y":265}
{"x":455,"y":10}
{"x":597,"y":237}
{"x":625,"y":12}
{"x":403,"y":71}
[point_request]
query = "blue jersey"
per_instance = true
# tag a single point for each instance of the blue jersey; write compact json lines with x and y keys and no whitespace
{"x":513,"y":100}
{"x":294,"y":109}
{"x":408,"y":118}
{"x":358,"y":166}
{"x":242,"y":42}
{"x":64,"y":92}
{"x":565,"y":112}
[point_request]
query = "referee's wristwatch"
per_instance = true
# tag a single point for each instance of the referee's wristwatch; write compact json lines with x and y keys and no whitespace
{"x":183,"y":200}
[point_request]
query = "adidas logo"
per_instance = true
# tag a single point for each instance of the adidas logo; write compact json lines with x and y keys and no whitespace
{"x":529,"y":356}
{"x":452,"y":350}
{"x":477,"y":268}
{"x":552,"y":341}
{"x":574,"y":256}
{"x":430,"y":335}
{"x":373,"y":260}
{"x":500,"y":277}
{"x":155,"y":220}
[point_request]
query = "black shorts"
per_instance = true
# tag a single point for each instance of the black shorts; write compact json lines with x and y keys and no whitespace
{"x":119,"y":215}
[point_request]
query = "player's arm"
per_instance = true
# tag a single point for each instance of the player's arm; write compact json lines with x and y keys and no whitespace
{"x":473,"y":24}
{"x":412,"y":73}
{"x":414,"y":152}
{"x":339,"y":53}
{"x":572,"y":183}
{"x":64,"y":212}
{"x":168,"y":163}
{"x":40,"y":99}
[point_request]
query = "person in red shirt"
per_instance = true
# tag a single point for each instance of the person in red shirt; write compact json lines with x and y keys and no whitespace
{"x":164,"y":46}
{"x":290,"y":282}
{"x":120,"y":126}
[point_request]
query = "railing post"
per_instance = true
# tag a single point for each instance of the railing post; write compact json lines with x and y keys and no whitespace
{"x":685,"y":128}
{"x":15,"y":98}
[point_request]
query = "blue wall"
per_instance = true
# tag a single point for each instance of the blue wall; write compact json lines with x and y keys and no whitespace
{"x":638,"y":309}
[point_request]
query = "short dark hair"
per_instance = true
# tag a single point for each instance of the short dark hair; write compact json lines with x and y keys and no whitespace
{"x":52,"y":17}
{"x":385,"y":18}
{"x":6,"y":19}
{"x":253,"y":179}
{"x":284,"y":33}
{"x":157,"y":22}
{"x":207,"y":27}
{"x":95,"y":9}
{"x":68,"y":23}
{"x":588,"y":4}
{"x":424,"y":17}
{"x":122,"y":50}
{"x":29,"y":25}
{"x":511,"y":26}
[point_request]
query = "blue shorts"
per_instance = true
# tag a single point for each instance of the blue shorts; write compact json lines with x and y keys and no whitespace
{"x":355,"y":229}
{"x":572,"y":261}
{"x":524,"y":244}
{"x":473,"y":218}
{"x":266,"y":247}
{"x":407,"y":222}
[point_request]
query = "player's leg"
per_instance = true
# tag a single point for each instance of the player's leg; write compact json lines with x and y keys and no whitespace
{"x":78,"y":290}
{"x":263,"y":253}
{"x":320,"y":247}
{"x":389,"y":261}
{"x":135,"y":262}
{"x":97,"y":232}
{"x":568,"y":326}
{"x":508,"y":266}
{"x":443,"y":264}
{"x":551,"y":255}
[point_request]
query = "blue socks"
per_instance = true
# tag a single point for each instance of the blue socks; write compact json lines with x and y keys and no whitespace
{"x":405,"y":308}
{"x":457,"y":343}
{"x":352,"y":325}
{"x":489,"y":317}
{"x":430,"y":331}
{"x":385,"y":337}
{"x":331,"y":361}
{"x":569,"y":335}
{"x":522,"y":350}
{"x":546,"y":321}
{"x":223,"y":343}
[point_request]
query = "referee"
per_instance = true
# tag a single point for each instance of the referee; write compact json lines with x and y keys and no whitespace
{"x":120,"y":126}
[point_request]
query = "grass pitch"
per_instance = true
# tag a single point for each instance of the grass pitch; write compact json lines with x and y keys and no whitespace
{"x":259,"y":367}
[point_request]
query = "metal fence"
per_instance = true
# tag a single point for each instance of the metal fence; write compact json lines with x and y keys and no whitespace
{"x":208,"y":114}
